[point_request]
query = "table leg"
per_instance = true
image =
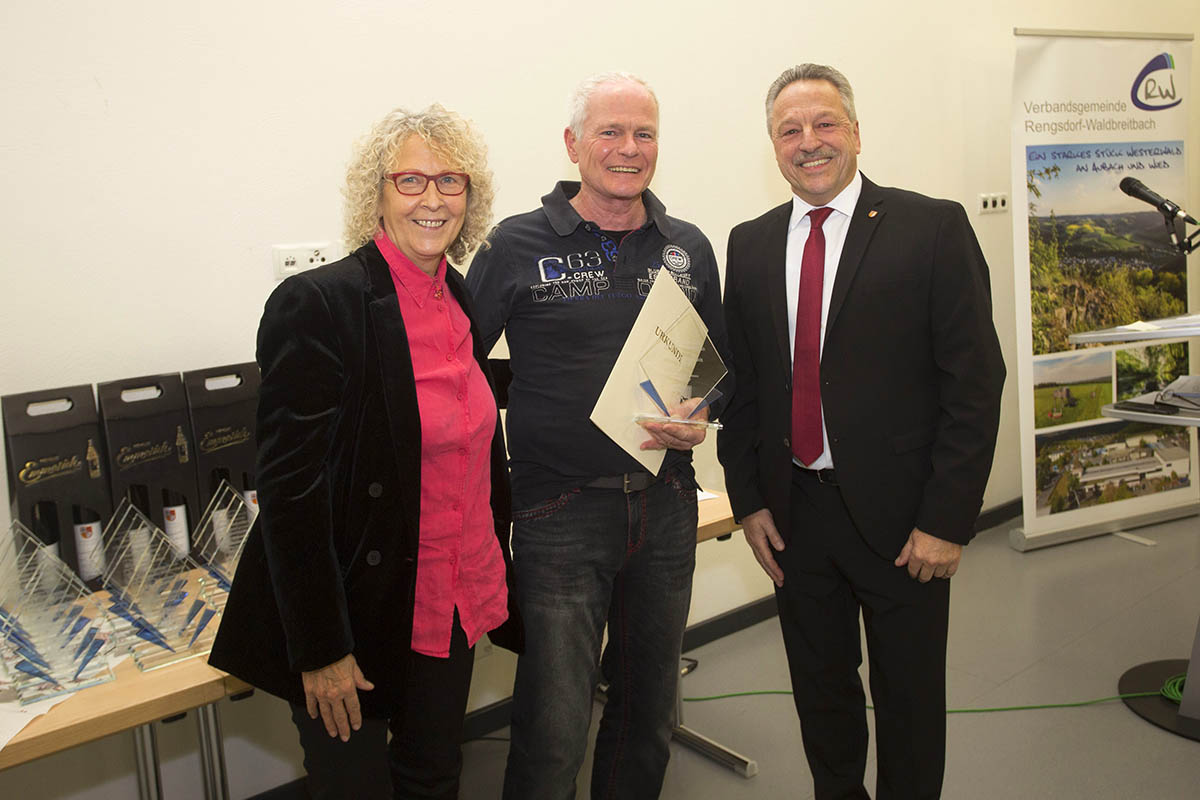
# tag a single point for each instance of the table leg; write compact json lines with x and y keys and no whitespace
{"x":715,"y":751}
{"x":212,"y":753}
{"x":205,"y":761}
{"x":149,"y":770}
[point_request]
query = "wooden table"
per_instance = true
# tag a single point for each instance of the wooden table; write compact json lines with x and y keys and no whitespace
{"x":136,"y":699}
{"x":716,"y":519}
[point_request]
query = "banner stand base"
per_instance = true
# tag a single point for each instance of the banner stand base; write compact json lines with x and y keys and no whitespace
{"x":1018,"y":540}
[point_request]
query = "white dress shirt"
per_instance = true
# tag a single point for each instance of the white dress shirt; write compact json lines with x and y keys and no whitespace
{"x":835,"y":228}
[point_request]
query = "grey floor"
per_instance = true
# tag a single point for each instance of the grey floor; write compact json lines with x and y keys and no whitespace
{"x":1050,"y":626}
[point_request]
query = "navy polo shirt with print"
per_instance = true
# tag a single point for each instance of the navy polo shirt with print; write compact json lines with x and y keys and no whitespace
{"x":566,"y":294}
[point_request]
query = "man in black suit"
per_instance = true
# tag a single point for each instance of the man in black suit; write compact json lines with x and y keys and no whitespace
{"x":859,"y":439}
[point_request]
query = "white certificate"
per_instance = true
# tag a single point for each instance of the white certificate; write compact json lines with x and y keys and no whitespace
{"x":656,"y":369}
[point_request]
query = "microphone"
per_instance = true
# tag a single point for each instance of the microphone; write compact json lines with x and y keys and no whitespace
{"x":1139,"y":191}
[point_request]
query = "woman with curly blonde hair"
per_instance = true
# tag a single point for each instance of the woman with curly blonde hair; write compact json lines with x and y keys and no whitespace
{"x":451,"y":139}
{"x":380,"y":556}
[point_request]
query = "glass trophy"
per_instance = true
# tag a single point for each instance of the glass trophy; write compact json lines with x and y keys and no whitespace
{"x":681,"y":364}
{"x":220,"y":537}
{"x":163,"y":603}
{"x":55,"y":636}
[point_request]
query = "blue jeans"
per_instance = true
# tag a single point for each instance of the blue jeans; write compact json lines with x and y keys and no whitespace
{"x":588,"y":556}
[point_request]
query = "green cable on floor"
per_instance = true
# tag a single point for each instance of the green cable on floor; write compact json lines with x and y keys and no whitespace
{"x":1171,"y":690}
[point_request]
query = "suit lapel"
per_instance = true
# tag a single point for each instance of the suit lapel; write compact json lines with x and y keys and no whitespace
{"x":395,"y":368}
{"x":775,"y":258}
{"x":868,"y":214}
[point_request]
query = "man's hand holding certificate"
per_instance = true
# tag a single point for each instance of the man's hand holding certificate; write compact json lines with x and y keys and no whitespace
{"x":663,"y":381}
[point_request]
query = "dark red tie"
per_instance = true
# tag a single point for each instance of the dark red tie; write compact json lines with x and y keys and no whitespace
{"x":807,"y":443}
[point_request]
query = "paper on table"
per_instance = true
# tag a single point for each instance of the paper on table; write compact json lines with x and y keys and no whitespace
{"x":1181,"y":321}
{"x":1187,"y":385}
{"x":14,"y":716}
{"x":649,"y":353}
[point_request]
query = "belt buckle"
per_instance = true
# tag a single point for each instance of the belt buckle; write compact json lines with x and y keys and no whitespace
{"x":625,"y":482}
{"x":831,"y":481}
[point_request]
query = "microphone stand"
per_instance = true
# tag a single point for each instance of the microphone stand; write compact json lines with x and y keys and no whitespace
{"x":1185,"y":244}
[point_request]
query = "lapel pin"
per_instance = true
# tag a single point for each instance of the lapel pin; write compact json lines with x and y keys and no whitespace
{"x":871,"y":214}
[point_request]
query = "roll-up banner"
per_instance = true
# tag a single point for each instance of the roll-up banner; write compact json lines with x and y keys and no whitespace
{"x":1090,"y":109}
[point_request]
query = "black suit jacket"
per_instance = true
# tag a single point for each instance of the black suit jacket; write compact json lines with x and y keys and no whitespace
{"x":911,"y":371}
{"x":329,"y":568}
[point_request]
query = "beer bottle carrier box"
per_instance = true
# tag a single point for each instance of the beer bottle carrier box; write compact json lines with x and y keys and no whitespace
{"x":223,"y":402}
{"x":58,"y":483}
{"x":151,"y":453}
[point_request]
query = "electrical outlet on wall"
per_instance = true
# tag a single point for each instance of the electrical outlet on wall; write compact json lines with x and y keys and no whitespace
{"x":993,"y":202}
{"x":288,"y":259}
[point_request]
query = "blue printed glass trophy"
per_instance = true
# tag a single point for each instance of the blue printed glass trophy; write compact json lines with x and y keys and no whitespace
{"x":681,"y":364}
{"x":221,"y":535}
{"x":162,"y":602}
{"x":55,"y":636}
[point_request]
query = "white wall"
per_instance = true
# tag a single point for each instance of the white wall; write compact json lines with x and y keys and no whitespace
{"x":152,"y":153}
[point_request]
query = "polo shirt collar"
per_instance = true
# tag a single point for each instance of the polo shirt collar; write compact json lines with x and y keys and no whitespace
{"x":564,"y":219}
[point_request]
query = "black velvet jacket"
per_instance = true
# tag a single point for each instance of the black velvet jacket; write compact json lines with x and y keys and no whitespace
{"x":329,"y":567}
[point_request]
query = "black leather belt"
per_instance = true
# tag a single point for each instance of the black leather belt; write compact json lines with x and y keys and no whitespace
{"x":629,"y":482}
{"x":828,"y":476}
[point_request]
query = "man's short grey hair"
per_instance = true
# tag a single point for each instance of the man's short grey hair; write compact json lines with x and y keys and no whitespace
{"x":812,"y":72}
{"x":577,"y":105}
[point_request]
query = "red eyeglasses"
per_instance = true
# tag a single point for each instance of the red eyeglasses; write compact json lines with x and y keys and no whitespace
{"x":412,"y":182}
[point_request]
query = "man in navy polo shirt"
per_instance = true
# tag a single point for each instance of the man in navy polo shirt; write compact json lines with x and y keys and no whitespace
{"x":596,"y":538}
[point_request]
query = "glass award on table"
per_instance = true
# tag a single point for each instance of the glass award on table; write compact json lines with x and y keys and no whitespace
{"x":220,"y":537}
{"x":55,"y":636}
{"x":164,"y":604}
